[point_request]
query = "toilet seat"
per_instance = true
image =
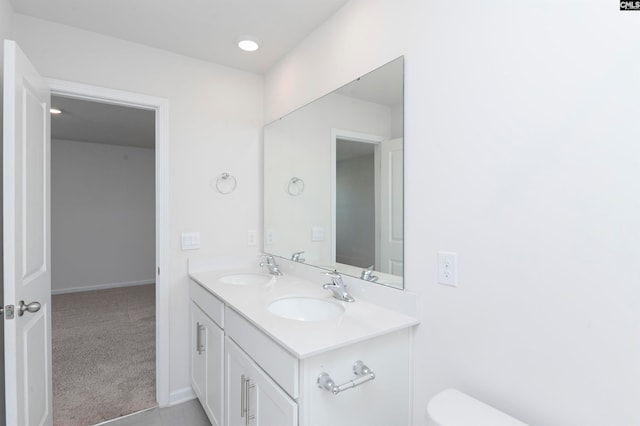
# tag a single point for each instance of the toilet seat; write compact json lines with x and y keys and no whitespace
{"x":454,"y":408}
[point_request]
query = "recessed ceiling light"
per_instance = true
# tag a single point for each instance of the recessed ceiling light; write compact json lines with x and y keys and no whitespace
{"x":248,"y":44}
{"x":55,"y":111}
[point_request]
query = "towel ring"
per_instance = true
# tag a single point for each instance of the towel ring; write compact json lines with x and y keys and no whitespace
{"x":226,"y":183}
{"x":295,"y":186}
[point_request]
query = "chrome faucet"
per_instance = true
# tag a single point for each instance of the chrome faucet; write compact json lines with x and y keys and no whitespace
{"x":338,"y":287}
{"x":296,"y":257}
{"x":271,"y":264}
{"x":367,"y":274}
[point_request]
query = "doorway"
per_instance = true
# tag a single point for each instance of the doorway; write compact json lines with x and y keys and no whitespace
{"x":355,"y":198}
{"x":355,"y":203}
{"x":159,"y":107}
{"x":102,"y":260}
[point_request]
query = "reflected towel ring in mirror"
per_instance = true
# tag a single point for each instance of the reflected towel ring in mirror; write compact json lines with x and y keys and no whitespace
{"x":226,"y":183}
{"x":295,"y":186}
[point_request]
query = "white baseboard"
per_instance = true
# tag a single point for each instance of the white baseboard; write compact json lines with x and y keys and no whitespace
{"x":181,"y":395}
{"x":100,"y":286}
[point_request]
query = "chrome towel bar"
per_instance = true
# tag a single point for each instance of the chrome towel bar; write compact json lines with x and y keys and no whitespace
{"x":359,"y":369}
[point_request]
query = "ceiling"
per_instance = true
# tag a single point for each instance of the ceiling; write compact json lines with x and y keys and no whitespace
{"x":90,"y":121}
{"x":384,"y":85}
{"x":203,"y":29}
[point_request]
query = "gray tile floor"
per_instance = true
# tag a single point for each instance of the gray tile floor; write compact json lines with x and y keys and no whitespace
{"x":189,"y":413}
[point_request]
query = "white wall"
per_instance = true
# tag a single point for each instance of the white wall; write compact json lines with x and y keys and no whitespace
{"x":102,"y":216}
{"x":521,"y":155}
{"x":215,"y":122}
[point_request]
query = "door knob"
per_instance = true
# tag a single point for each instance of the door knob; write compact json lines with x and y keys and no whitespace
{"x":31,"y":307}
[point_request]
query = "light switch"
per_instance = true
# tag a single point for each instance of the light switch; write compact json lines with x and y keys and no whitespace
{"x":190,"y":241}
{"x":317,"y":233}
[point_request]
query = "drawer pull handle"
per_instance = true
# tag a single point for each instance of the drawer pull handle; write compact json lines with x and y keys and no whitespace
{"x":359,"y":369}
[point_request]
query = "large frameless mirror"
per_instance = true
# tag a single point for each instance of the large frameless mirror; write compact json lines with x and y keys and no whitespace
{"x":333,"y":180}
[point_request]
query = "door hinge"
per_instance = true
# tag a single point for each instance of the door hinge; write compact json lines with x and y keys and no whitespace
{"x":158,"y":270}
{"x":8,"y":311}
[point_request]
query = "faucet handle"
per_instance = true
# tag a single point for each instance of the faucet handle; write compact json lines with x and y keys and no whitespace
{"x":334,"y":274}
{"x":297,"y":256}
{"x":267,"y":257}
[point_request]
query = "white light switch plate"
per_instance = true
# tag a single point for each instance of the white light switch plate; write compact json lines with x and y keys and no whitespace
{"x":317,"y":233}
{"x":190,"y":240}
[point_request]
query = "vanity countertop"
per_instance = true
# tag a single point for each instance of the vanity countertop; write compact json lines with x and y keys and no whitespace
{"x":360,"y":321}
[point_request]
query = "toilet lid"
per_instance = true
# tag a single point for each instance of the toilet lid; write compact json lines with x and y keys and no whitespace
{"x":454,"y":408}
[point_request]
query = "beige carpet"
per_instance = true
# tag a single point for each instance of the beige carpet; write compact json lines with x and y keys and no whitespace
{"x":103,"y":354}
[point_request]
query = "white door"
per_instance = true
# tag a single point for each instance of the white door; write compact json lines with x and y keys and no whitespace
{"x":27,"y":260}
{"x":391,"y":209}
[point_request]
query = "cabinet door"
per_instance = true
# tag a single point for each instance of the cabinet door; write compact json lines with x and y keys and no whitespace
{"x":253,"y":399}
{"x":198,"y":359}
{"x":207,"y":364}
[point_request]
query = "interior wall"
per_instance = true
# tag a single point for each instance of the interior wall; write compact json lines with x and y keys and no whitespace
{"x":397,"y":121}
{"x":521,"y":156}
{"x":102,"y":216}
{"x":6,"y":25}
{"x":215,"y":126}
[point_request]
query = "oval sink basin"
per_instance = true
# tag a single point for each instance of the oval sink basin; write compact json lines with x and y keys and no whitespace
{"x":245,"y":279}
{"x":306,"y":309}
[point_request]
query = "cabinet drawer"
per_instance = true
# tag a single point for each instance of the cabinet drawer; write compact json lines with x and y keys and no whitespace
{"x":276,"y":361}
{"x":210,"y":304}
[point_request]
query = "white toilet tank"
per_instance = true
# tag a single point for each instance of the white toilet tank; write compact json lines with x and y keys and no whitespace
{"x":454,"y":408}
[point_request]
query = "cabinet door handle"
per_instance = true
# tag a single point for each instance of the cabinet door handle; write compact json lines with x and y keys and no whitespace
{"x":249,"y":386}
{"x":243,"y":404}
{"x":199,"y":342}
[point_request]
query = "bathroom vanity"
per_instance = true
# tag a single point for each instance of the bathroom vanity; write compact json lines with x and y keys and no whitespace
{"x":281,"y":351}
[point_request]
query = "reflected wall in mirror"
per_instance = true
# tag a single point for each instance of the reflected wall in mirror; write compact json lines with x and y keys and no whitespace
{"x":333,"y":179}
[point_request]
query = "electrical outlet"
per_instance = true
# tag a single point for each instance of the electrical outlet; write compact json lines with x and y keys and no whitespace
{"x":448,"y":268}
{"x":268,"y":237}
{"x":252,"y":237}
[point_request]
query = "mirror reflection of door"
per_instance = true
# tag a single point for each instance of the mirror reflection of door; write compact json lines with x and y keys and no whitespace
{"x":356,"y":202}
{"x":391,"y":207}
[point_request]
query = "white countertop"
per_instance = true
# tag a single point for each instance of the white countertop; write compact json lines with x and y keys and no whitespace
{"x":360,"y":321}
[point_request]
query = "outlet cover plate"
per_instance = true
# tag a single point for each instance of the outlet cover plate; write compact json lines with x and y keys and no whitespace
{"x":448,"y":268}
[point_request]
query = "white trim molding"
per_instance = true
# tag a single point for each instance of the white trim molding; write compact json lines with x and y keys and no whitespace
{"x":161,"y":108}
{"x":100,"y":287}
{"x":182,"y":395}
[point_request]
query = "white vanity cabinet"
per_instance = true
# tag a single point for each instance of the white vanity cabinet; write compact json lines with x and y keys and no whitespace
{"x":267,"y":383}
{"x":207,"y":356}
